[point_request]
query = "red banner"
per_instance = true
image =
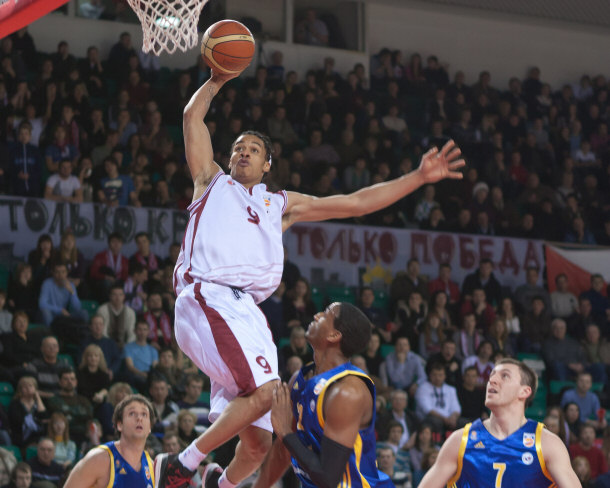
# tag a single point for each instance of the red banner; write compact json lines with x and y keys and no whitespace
{"x":15,"y":14}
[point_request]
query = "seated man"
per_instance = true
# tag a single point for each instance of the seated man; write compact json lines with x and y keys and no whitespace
{"x":482,"y":362}
{"x":46,"y":369}
{"x":166,"y":409}
{"x":525,"y":293}
{"x":402,"y":368}
{"x":386,"y":460}
{"x":160,"y":333}
{"x":599,"y":302}
{"x":139,"y":356}
{"x":483,"y":311}
{"x":585,"y":447}
{"x":471,"y":397}
{"x":58,"y":297}
{"x":63,"y":186}
{"x":563,"y":303}
{"x":587,"y":401}
{"x":447,"y":357}
{"x":445,"y":283}
{"x":467,"y":339}
{"x":190,"y":401}
{"x":377,"y":316}
{"x":397,"y":413}
{"x":564,"y":356}
{"x":112,"y":355}
{"x":109,"y":267}
{"x":43,"y":466}
{"x":437,"y":402}
{"x":119,"y":319}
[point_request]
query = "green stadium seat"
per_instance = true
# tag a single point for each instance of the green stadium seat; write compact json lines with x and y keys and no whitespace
{"x":535,"y":413}
{"x":382,"y":299}
{"x":282,"y":342}
{"x":4,"y":276}
{"x":205,"y":397}
{"x":66,"y":358}
{"x":340,"y":294}
{"x":597,"y":387}
{"x":556,"y":386}
{"x":6,"y":394}
{"x":15,"y":451}
{"x":90,"y":306}
{"x":34,"y":325}
{"x":175,"y":132}
{"x":317,"y":297}
{"x":30,"y":452}
{"x":386,"y":349}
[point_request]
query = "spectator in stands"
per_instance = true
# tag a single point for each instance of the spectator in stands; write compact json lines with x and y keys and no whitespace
{"x":440,"y":306}
{"x":580,"y":233}
{"x":578,"y":323}
{"x":25,"y":164}
{"x":600,"y":304}
{"x":145,"y":256}
{"x":377,"y":316}
{"x":118,"y":59}
{"x":564,"y":356}
{"x":587,"y":401}
{"x":58,"y":297}
{"x":311,"y":30}
{"x":467,"y":339}
{"x":397,"y":413}
{"x":19,"y":349}
{"x":445,"y":283}
{"x":110,"y":266}
{"x":68,"y":254}
{"x":159,"y":391}
{"x":43,"y":466}
{"x":526,"y":292}
{"x":392,"y":440}
{"x":273,"y":308}
{"x":93,"y":375}
{"x":403,"y":368}
{"x":21,"y":476}
{"x":585,"y":447}
{"x":168,"y":368}
{"x":483,"y":311}
{"x":564,"y":304}
{"x":597,"y":352}
{"x":423,"y":443}
{"x":59,"y":430}
{"x":22,"y":293}
{"x":406,"y":282}
{"x":386,"y":460}
{"x":483,"y":278}
{"x":298,"y":304}
{"x":425,"y":204}
{"x":410,"y":317}
{"x":447,"y":358}
{"x":535,"y":327}
{"x":498,"y":336}
{"x":63,"y":186}
{"x":26,"y":413}
{"x":46,"y":369}
{"x":119,"y":319}
{"x":432,"y":336}
{"x":135,"y":295}
{"x":437,"y":402}
{"x":297,"y":346}
{"x":139,"y":356}
{"x":59,"y":150}
{"x":372,"y":354}
{"x":112,"y":355}
{"x":191,"y":400}
{"x":116,"y":189}
{"x":75,"y":407}
{"x":318,"y":151}
{"x":507,"y":313}
{"x":160,"y":334}
{"x":482,"y":362}
{"x":471,"y":397}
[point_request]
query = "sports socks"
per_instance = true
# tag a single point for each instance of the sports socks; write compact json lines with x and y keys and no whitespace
{"x":223,"y":481}
{"x":191,"y":457}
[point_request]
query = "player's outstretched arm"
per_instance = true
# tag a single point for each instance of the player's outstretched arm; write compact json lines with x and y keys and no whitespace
{"x":434,"y":166}
{"x":93,"y":471}
{"x":274,"y":466}
{"x":446,"y":464}
{"x":197,"y":141}
{"x":557,"y":460}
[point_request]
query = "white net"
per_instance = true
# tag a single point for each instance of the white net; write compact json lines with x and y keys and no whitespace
{"x":168,"y":25}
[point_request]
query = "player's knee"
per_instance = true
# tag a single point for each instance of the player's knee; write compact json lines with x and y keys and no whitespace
{"x":258,"y":449}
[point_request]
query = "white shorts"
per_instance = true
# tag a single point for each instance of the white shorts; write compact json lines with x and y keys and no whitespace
{"x":227,"y":336}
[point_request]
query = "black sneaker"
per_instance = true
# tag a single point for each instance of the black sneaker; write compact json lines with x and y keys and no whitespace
{"x":170,"y":472}
{"x":211,"y":475}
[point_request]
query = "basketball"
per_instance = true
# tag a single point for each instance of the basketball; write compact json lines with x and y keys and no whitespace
{"x":227,"y":47}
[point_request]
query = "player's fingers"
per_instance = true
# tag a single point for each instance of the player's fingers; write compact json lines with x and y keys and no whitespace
{"x":455,"y":152}
{"x":460,"y":163}
{"x":430,"y":152}
{"x":450,"y":144}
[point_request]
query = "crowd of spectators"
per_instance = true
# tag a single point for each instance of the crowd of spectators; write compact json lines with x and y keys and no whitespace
{"x":108,"y":131}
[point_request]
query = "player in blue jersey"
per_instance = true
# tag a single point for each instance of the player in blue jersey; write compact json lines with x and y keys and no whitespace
{"x":507,"y":450}
{"x":325,"y":419}
{"x":123,"y":463}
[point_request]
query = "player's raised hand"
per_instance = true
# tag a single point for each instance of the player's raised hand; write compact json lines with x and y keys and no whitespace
{"x":223,"y":77}
{"x":436,"y":165}
{"x":281,"y":411}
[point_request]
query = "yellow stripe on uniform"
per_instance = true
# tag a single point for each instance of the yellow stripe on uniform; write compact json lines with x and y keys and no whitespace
{"x":111,"y":479}
{"x":331,"y":380}
{"x":358,"y":454}
{"x":460,"y":460}
{"x":540,"y":456}
{"x":151,"y":469}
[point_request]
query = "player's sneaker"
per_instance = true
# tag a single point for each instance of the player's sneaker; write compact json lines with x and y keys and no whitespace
{"x":211,"y":475}
{"x":171,"y":473}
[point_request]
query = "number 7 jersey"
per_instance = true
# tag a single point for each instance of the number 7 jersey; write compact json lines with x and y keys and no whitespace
{"x":487,"y":462}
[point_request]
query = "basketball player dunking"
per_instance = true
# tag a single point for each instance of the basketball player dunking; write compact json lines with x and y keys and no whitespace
{"x":506,"y":450}
{"x":231,"y":259}
{"x":123,"y":463}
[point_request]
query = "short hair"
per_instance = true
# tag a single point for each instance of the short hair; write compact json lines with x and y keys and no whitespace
{"x":142,"y":234}
{"x":194,"y":378}
{"x":528,"y":377}
{"x":435,"y":366}
{"x":112,"y":160}
{"x":486,"y":261}
{"x":65,"y":370}
{"x":117,"y":416}
{"x":266,"y":142}
{"x":355,"y":329}
{"x":395,"y":423}
{"x":559,"y":276}
{"x":115,"y":235}
{"x":471,"y":368}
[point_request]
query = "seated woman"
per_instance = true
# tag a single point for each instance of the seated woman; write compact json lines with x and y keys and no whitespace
{"x":26,"y":413}
{"x":432,"y":336}
{"x":297,"y":347}
{"x":40,"y":259}
{"x":59,"y":431}
{"x":298,"y":304}
{"x":67,"y":253}
{"x":22,"y":294}
{"x":19,"y":348}
{"x":93,"y":377}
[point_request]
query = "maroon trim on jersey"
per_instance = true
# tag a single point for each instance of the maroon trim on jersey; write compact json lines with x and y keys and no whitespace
{"x":197,"y":213}
{"x":228,"y":347}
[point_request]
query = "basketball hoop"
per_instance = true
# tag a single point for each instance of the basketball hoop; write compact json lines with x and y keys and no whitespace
{"x":168,"y":25}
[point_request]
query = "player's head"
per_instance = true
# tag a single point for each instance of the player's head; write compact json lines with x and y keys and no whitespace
{"x":250,"y":156}
{"x":511,"y":381}
{"x":343,"y":325}
{"x":134,"y":416}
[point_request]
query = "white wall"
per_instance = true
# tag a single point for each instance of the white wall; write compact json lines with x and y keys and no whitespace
{"x":269,"y":12}
{"x":505,"y":45}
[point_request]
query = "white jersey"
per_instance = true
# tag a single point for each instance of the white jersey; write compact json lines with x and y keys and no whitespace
{"x":234,"y":238}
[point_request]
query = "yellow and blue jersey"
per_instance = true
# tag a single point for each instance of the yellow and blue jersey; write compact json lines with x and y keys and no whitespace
{"x":487,"y":462}
{"x":122,"y":475}
{"x":307,"y":403}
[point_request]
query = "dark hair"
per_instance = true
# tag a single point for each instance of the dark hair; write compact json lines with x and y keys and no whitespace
{"x":117,"y":416}
{"x":470,"y":368}
{"x":395,"y":423}
{"x":65,"y":370}
{"x":262,"y":137}
{"x":142,"y":234}
{"x":355,"y":329}
{"x":112,"y":160}
{"x":115,"y":235}
{"x":528,"y":377}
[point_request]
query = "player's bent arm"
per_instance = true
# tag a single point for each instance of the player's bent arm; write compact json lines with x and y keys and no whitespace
{"x":347,"y":404}
{"x":557,"y":461}
{"x":93,"y":471}
{"x":446,"y":464}
{"x":197,"y":141}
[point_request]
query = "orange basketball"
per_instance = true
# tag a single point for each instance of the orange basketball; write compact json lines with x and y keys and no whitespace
{"x":227,"y":47}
